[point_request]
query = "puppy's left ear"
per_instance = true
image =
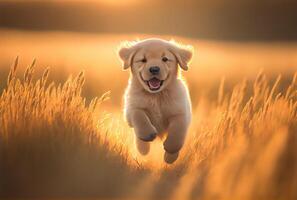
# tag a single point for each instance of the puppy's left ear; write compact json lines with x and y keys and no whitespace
{"x":183,"y":55}
{"x":126,"y":54}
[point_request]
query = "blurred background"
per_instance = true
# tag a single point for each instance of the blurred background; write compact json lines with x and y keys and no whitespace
{"x":216,"y":19}
{"x":232,"y":38}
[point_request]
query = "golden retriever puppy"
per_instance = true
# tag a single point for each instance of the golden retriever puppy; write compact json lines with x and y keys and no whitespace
{"x":157,"y":100}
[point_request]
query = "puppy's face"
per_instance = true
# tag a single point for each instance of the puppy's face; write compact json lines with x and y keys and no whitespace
{"x":154,"y":62}
{"x":154,"y":66}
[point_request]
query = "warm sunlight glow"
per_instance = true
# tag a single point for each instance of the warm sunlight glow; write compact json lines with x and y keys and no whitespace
{"x":117,"y":2}
{"x":105,"y":2}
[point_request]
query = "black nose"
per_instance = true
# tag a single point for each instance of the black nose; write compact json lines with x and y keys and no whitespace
{"x":155,"y":70}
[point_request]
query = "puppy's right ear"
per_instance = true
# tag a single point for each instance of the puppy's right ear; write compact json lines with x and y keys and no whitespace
{"x":126,"y":54}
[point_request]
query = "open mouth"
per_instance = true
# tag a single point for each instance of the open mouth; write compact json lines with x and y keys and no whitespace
{"x":154,"y":84}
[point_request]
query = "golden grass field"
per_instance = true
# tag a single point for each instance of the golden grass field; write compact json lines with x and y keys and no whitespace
{"x":66,"y":137}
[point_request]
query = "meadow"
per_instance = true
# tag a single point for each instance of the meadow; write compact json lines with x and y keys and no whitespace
{"x":62,"y":132}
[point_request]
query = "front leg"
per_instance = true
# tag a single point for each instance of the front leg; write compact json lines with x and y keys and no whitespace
{"x":142,"y":125}
{"x":177,"y":131}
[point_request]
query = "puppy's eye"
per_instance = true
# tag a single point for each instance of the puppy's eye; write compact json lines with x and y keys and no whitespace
{"x":164,"y":59}
{"x":144,"y":60}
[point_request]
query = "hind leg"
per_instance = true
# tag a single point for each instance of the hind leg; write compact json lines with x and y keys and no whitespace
{"x":142,"y":147}
{"x":177,"y":131}
{"x":170,"y":158}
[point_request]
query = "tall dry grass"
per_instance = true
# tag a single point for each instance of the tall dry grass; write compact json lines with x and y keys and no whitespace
{"x":50,"y":144}
{"x":53,"y":144}
{"x":245,"y":146}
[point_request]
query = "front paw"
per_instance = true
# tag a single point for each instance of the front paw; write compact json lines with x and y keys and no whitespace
{"x":146,"y":134}
{"x":148,"y":137}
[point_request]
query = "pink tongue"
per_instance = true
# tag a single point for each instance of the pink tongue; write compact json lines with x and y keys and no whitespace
{"x":154,"y":83}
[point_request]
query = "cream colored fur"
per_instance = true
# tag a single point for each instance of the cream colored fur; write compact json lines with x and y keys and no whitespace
{"x":167,"y":110}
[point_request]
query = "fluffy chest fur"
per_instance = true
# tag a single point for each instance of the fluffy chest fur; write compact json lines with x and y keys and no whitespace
{"x":159,"y":107}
